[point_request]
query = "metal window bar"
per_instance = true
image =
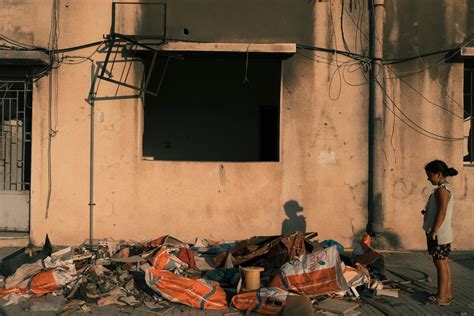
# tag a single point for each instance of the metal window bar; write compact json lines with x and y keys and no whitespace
{"x":469,"y":111}
{"x":15,"y":135}
{"x":471,"y":125}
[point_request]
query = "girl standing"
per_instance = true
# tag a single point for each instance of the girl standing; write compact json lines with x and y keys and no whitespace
{"x":438,"y":228}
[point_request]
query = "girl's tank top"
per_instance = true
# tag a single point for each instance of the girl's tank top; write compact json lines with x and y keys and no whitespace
{"x":445,"y":232}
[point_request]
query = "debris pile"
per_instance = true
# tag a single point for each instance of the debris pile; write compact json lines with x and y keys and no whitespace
{"x":259,"y":274}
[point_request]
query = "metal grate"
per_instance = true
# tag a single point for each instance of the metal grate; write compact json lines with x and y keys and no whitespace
{"x":15,"y":135}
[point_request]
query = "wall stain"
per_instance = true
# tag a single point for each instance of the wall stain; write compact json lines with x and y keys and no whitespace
{"x":466,"y":189}
{"x":358,"y":192}
{"x":209,"y":211}
{"x":403,"y":188}
{"x":222,"y":177}
{"x":102,"y":219}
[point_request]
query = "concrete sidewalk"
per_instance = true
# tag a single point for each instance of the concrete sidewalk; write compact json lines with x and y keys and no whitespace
{"x":414,"y":265}
{"x":401,"y":266}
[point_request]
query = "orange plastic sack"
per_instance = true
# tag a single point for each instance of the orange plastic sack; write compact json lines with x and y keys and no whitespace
{"x":160,"y":259}
{"x":268,"y":301}
{"x":366,"y":240}
{"x":313,"y":274}
{"x":14,"y":290}
{"x":42,"y":283}
{"x":163,"y":260}
{"x":200,"y":293}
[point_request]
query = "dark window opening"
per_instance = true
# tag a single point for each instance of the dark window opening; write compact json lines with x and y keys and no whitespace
{"x":468,"y":150}
{"x":213,"y":107}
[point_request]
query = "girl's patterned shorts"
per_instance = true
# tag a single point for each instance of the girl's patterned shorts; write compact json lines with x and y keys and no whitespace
{"x":438,"y":252}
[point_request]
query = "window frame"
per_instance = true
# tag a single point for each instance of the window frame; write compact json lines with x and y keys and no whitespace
{"x":271,"y":49}
{"x":469,"y":69}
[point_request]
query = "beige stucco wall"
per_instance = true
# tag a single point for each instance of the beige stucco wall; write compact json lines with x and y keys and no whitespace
{"x":323,"y":140}
{"x":430,"y":92}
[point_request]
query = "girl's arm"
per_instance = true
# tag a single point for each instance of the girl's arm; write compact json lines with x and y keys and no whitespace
{"x":442,"y":196}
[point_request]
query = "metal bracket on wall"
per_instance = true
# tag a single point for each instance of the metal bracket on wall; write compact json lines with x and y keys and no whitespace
{"x":126,"y":46}
{"x":124,"y":39}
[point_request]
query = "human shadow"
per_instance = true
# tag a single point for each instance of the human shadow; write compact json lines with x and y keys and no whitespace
{"x":293,"y":222}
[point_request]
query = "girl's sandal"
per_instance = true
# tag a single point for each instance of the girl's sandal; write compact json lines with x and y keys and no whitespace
{"x":444,"y":303}
{"x":433,"y":299}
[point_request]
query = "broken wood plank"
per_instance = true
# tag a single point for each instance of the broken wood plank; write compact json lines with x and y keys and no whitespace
{"x":387,"y":292}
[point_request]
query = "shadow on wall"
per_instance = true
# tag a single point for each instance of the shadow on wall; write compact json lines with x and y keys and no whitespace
{"x":293,"y":221}
{"x":386,"y":240}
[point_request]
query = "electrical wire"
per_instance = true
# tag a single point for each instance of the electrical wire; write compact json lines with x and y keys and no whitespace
{"x":361,"y":60}
{"x":403,"y":117}
{"x":353,"y":55}
{"x":359,"y":24}
{"x":338,"y":69}
{"x":440,"y":88}
{"x":53,"y":40}
{"x":453,"y":51}
{"x":444,"y":59}
{"x":415,"y":126}
{"x":57,"y":51}
{"x":246,"y":79}
{"x":441,"y":61}
{"x":401,"y":78}
{"x":346,"y":67}
{"x":64,"y":59}
{"x":15,"y":43}
{"x":346,"y":47}
{"x":392,"y":135}
{"x":333,"y":51}
{"x":427,"y":100}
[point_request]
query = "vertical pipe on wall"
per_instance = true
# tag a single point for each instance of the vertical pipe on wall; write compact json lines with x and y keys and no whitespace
{"x":90,"y":100}
{"x":376,"y":162}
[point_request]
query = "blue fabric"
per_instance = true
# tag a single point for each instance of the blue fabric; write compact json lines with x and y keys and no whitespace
{"x":259,"y":298}
{"x":329,"y":242}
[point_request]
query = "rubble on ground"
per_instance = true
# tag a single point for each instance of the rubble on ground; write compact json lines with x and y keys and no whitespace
{"x":205,"y":274}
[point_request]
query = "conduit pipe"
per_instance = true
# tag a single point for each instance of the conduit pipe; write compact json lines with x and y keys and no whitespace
{"x":376,"y":162}
{"x":91,"y":101}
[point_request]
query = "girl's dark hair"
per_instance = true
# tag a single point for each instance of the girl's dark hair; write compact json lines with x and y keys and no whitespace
{"x":440,"y":166}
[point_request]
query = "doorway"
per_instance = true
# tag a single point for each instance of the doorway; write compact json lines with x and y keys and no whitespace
{"x":15,"y":154}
